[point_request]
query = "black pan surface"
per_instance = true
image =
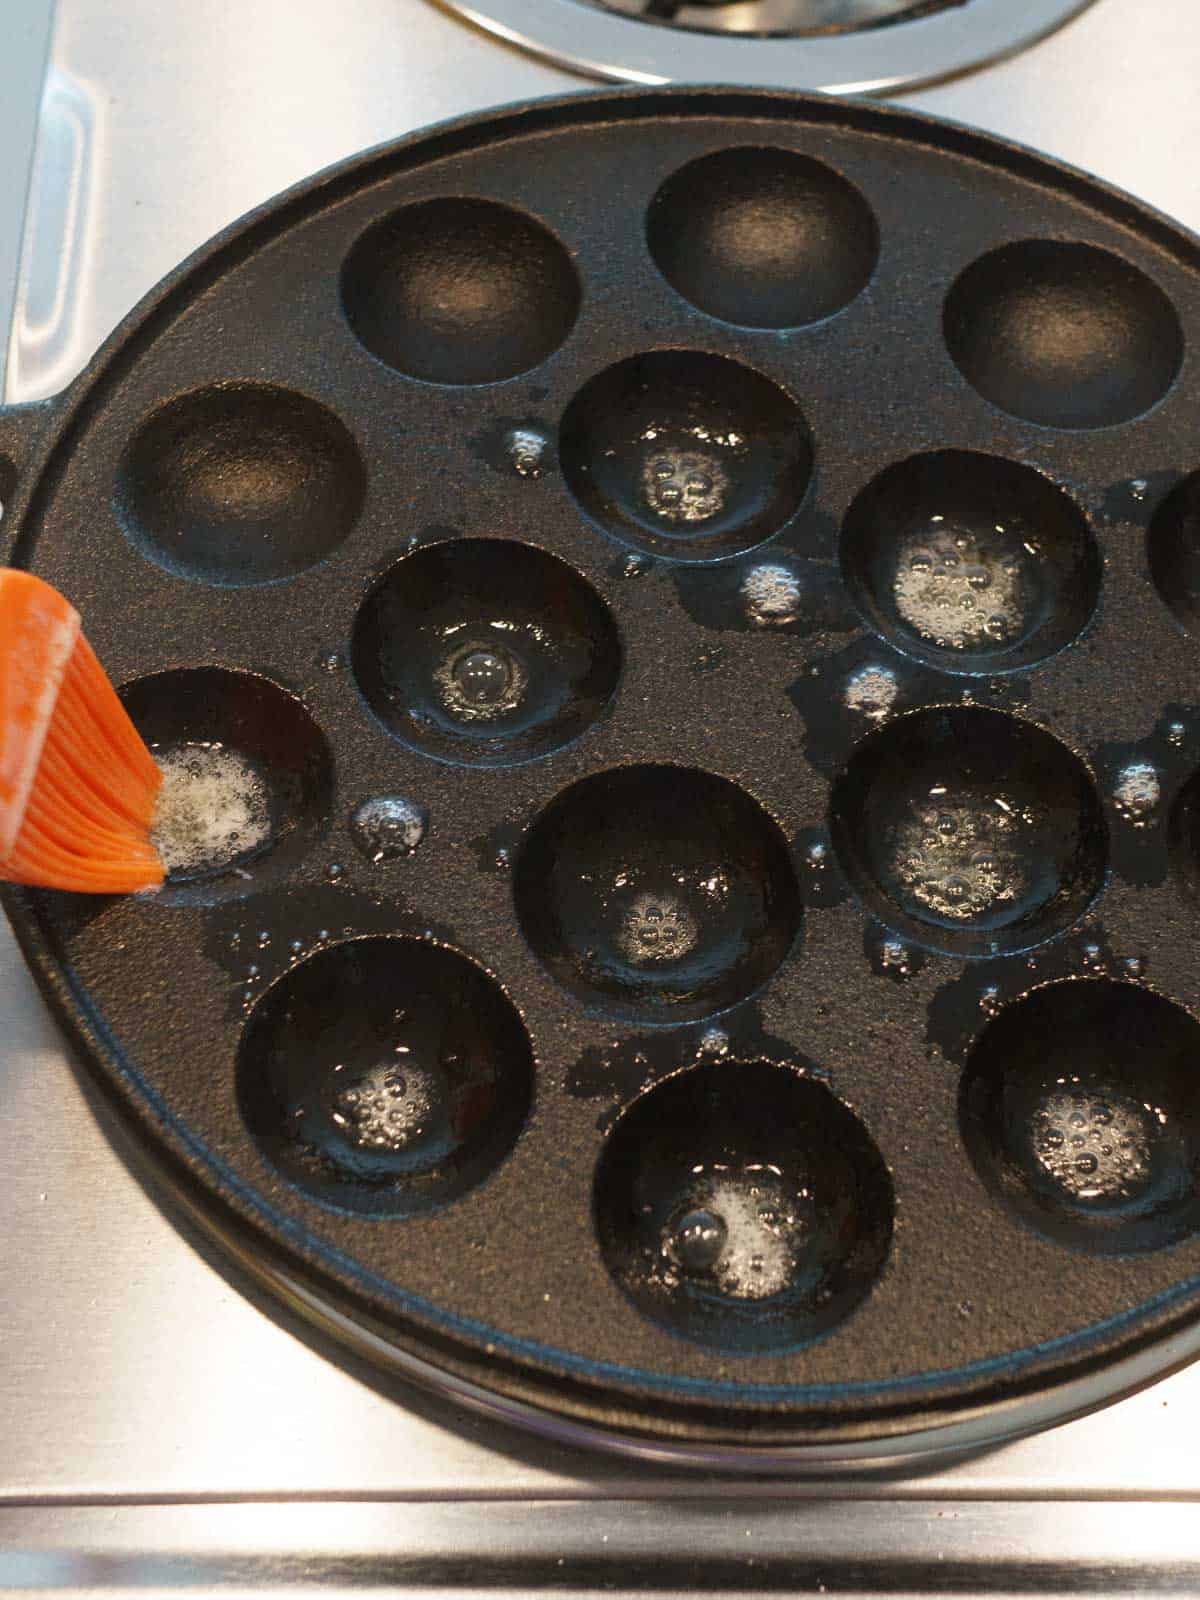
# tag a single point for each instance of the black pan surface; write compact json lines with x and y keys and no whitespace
{"x":705,"y":585}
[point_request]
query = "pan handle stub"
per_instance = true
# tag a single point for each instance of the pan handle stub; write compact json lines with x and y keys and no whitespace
{"x":20,"y":429}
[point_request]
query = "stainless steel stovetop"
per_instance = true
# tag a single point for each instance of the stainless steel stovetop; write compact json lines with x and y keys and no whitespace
{"x":159,"y":1428}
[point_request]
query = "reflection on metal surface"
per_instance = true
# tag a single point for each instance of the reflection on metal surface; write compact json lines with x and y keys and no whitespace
{"x":614,"y":38}
{"x":775,"y":18}
{"x":718,"y":1545}
{"x":25,"y":36}
{"x":48,"y":340}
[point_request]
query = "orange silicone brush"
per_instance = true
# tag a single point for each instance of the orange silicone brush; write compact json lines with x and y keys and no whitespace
{"x":77,"y":785}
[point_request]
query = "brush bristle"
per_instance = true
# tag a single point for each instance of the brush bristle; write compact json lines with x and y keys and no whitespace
{"x":87,"y":823}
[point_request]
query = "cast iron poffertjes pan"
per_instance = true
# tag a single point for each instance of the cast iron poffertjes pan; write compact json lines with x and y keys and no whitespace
{"x":704,"y":585}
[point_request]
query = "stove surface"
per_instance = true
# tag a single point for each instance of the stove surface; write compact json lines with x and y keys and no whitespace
{"x":162,"y":1426}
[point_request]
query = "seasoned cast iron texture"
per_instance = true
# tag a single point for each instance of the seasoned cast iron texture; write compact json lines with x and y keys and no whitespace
{"x":768,"y":775}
